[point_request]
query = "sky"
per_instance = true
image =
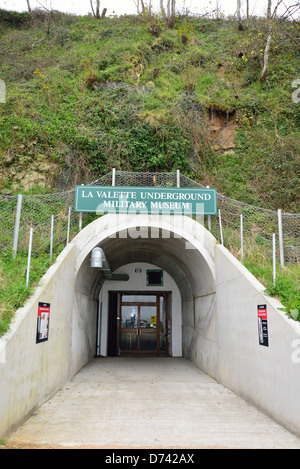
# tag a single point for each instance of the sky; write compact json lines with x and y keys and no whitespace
{"x":119,"y":7}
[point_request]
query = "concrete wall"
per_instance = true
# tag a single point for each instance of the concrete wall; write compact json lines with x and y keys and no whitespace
{"x":268,"y":377}
{"x":200,"y":340}
{"x":84,"y":322}
{"x":29,"y":372}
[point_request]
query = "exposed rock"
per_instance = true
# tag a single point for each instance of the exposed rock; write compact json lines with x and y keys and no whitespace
{"x":223,"y":132}
{"x":226,"y":136}
{"x":39,"y":173}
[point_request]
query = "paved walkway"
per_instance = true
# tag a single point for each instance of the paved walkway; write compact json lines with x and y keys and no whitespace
{"x":153,"y":403}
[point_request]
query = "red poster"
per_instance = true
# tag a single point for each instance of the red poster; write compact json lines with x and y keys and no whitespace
{"x":43,"y":321}
{"x":263,"y":325}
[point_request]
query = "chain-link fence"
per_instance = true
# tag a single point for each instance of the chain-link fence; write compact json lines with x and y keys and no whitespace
{"x":54,"y":221}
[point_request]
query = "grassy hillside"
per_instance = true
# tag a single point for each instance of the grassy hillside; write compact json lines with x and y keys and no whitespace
{"x":86,"y":95}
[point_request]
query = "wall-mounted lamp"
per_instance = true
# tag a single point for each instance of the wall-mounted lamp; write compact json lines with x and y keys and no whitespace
{"x":97,"y":258}
{"x":98,"y":261}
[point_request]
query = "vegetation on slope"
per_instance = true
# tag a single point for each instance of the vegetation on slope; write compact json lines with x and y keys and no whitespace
{"x":129,"y":93}
{"x":86,"y":95}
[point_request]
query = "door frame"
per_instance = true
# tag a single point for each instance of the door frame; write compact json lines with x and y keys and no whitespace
{"x":139,"y":330}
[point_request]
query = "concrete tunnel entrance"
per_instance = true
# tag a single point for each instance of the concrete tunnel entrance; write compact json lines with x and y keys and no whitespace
{"x":212,"y":306}
{"x":175,"y":292}
{"x":172,"y":312}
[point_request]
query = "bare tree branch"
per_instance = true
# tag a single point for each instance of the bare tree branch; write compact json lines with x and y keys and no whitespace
{"x":269,"y":39}
{"x":168,"y":14}
{"x":28,"y":5}
{"x":238,"y":12}
{"x":96,"y":13}
{"x":137,"y":4}
{"x":43,"y":6}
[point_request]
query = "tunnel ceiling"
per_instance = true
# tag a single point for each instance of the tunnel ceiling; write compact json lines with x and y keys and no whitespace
{"x":187,"y":267}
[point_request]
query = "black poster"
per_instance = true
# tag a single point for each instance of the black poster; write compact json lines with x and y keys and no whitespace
{"x":262,"y":325}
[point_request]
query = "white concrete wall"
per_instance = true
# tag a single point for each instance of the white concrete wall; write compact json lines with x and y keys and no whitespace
{"x":137,"y":282}
{"x":200,"y":342}
{"x":31,"y":372}
{"x":268,"y":377}
{"x":84,"y":331}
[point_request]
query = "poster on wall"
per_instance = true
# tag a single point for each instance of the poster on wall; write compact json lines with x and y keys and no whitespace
{"x":262,"y":325}
{"x":43,"y":321}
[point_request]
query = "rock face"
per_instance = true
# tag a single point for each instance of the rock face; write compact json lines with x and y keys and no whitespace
{"x":223,"y":132}
{"x":32,"y":177}
{"x":39,"y":172}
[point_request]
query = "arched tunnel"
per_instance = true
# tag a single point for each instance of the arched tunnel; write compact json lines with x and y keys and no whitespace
{"x":178,"y":247}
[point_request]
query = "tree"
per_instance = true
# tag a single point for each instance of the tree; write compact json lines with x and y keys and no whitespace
{"x":269,"y":9}
{"x":49,"y":16}
{"x":169,"y":13}
{"x":247,"y":8}
{"x":274,"y":21}
{"x":28,"y":5}
{"x":137,"y":4}
{"x":238,"y":12}
{"x":96,"y":11}
{"x":272,"y":25}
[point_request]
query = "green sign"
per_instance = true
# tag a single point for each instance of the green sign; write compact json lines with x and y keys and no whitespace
{"x":151,"y":200}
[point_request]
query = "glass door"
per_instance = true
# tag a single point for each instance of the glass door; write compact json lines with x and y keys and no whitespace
{"x":148,"y":328}
{"x":129,"y":328}
{"x":143,"y":323}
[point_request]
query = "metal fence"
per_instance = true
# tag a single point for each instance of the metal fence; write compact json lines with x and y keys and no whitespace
{"x":54,"y":222}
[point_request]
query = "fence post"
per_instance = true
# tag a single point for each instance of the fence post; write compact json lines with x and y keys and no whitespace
{"x":280,"y":237}
{"x":209,"y":222}
{"x":29,"y":256}
{"x":17,"y":225}
{"x":208,"y":217}
{"x":113,"y":183}
{"x":221,"y":231}
{"x":51,"y":236}
{"x":69,"y":222}
{"x":274,"y":259}
{"x":178,"y":178}
{"x":242,"y":238}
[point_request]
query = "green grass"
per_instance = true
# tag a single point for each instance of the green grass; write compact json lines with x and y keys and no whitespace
{"x":13,"y":290}
{"x":258,"y":260}
{"x":286,"y":287}
{"x":60,"y":95}
{"x":92,"y":95}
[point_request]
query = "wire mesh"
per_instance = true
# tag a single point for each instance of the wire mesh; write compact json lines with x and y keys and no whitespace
{"x":258,"y":224}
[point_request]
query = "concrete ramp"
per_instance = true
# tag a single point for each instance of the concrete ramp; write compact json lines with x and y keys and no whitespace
{"x":149,"y":403}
